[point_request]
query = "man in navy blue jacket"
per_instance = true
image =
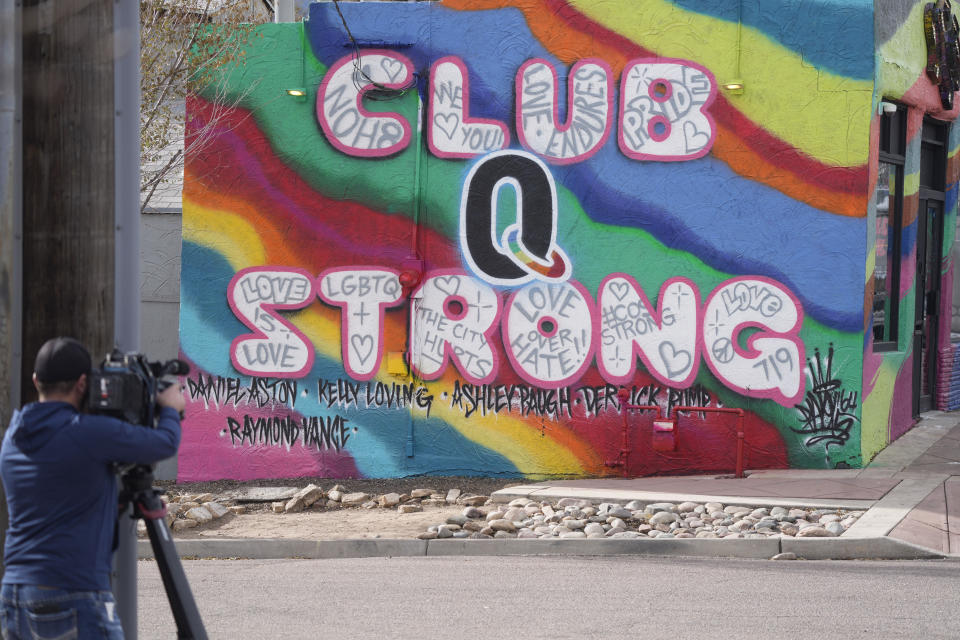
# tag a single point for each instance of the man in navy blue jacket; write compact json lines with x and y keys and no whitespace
{"x":62,"y":498}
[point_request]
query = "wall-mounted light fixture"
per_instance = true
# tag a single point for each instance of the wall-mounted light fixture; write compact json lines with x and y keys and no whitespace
{"x":886,"y":107}
{"x":299,"y":93}
{"x":733,"y":86}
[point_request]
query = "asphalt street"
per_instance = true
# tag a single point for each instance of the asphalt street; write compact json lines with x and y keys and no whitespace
{"x":561,"y":597}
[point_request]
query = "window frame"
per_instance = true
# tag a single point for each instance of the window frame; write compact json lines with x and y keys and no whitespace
{"x":894,"y":132}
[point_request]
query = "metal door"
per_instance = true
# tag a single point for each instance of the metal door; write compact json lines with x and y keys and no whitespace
{"x":925,"y":327}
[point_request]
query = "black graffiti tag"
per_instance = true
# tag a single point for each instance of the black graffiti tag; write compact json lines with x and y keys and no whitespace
{"x":827,"y":412}
{"x":232,"y":391}
{"x":313,"y":432}
{"x":484,"y":399}
{"x":598,"y":399}
{"x":345,"y":394}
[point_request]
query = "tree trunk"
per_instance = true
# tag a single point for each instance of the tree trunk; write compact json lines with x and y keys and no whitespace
{"x":10,"y":217}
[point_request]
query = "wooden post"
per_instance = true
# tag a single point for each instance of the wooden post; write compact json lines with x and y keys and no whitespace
{"x":68,"y":176}
{"x":10,"y":225}
{"x":10,"y":212}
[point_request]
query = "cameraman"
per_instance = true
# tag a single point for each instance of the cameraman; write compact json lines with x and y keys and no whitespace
{"x":62,"y":497}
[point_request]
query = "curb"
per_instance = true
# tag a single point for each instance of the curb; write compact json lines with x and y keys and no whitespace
{"x":879,"y":548}
{"x":732,"y":548}
{"x":282,"y":548}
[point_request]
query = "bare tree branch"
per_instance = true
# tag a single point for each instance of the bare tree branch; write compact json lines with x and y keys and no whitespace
{"x":185,"y":47}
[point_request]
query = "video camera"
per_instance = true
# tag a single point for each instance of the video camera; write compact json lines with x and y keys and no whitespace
{"x":126,"y":386}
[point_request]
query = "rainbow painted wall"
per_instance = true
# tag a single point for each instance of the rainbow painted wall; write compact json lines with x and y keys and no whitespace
{"x":486,"y":220}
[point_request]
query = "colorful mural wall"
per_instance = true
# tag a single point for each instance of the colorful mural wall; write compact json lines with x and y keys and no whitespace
{"x":486,"y":220}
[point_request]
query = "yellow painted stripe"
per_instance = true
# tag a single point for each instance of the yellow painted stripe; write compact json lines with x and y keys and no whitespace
{"x":875,"y":413}
{"x":224,"y":231}
{"x":793,"y":100}
{"x":911,"y":183}
{"x":902,"y":58}
{"x":871,"y":261}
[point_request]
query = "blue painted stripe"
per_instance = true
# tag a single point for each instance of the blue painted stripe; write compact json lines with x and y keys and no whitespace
{"x":732,"y":224}
{"x":833,"y":35}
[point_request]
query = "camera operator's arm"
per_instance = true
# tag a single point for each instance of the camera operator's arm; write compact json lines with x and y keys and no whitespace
{"x":113,"y":440}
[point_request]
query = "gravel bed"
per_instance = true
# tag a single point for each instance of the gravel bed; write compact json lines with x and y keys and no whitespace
{"x":573,"y":518}
{"x":199,"y":503}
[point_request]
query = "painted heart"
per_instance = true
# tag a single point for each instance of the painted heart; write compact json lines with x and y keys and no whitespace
{"x":391,"y":67}
{"x":694,"y":139}
{"x":619,"y":289}
{"x":447,"y":123}
{"x":362,"y":346}
{"x":676,"y":360}
{"x":447,"y":284}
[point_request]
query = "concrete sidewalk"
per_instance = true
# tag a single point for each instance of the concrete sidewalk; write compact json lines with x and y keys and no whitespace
{"x":910,"y":492}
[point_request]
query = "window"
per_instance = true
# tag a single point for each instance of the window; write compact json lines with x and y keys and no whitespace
{"x":933,"y":155}
{"x":888,"y":198}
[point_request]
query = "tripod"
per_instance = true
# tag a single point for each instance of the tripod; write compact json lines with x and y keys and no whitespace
{"x":137,"y":489}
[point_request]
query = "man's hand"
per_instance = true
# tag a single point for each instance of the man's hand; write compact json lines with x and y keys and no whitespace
{"x":172,"y":397}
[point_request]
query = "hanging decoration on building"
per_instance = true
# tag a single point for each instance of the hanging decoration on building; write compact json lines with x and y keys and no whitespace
{"x":943,"y":49}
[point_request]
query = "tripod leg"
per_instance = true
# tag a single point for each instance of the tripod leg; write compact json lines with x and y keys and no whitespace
{"x":185,"y":612}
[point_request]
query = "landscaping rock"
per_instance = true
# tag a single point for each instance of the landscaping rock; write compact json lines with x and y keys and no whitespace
{"x":354,"y":499}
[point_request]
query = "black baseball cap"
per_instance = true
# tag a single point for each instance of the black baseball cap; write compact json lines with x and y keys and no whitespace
{"x":61,"y":360}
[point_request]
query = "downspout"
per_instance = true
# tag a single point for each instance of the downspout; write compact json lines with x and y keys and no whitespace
{"x":283,"y":11}
{"x":415,"y":262}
